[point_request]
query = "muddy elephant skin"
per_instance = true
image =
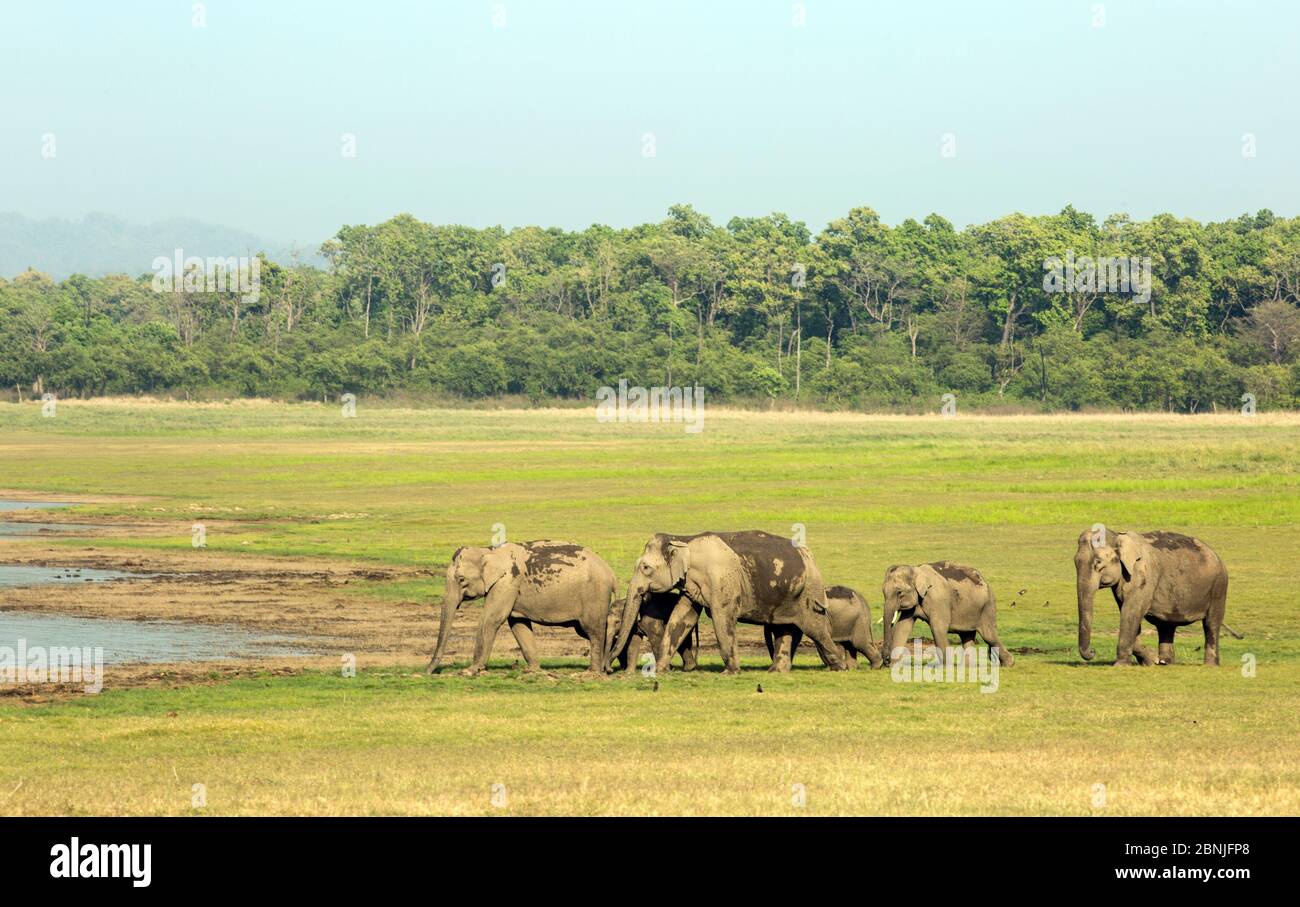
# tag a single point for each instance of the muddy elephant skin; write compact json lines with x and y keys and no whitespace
{"x":547,"y":582}
{"x":850,"y":627}
{"x":752,"y":577}
{"x":1167,"y":579}
{"x":950,"y":597}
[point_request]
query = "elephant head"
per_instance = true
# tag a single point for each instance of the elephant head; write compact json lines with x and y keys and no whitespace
{"x":904,"y":589}
{"x":1098,"y":564}
{"x":471,"y":573}
{"x":662,"y":566}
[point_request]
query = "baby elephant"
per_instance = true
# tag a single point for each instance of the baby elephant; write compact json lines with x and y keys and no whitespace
{"x":949,"y":597}
{"x":850,"y":627}
{"x":649,"y":632}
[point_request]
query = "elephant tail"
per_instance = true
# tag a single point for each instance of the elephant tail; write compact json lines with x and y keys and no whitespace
{"x":1234,"y":633}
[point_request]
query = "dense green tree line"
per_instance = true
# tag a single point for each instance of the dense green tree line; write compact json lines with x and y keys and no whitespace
{"x":861,"y":315}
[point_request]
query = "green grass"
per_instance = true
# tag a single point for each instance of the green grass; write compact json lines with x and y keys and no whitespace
{"x":1008,"y":495}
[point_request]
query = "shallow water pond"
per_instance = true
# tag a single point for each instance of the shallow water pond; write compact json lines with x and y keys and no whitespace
{"x":122,"y":641}
{"x":141,"y":641}
{"x":25,"y":575}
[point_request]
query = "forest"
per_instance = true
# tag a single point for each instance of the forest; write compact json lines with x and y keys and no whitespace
{"x":863,"y":315}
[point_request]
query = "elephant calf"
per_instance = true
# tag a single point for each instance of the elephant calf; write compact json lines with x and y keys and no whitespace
{"x":1167,"y":579}
{"x":850,"y":627}
{"x":649,"y":630}
{"x":545,"y":582}
{"x":950,"y":598}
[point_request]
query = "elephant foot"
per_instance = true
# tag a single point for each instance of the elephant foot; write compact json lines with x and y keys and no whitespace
{"x":729,"y":671}
{"x":1122,"y":663}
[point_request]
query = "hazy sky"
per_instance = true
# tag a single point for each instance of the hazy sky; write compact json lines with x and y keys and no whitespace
{"x":543,"y":119}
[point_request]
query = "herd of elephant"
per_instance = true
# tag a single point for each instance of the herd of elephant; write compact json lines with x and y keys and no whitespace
{"x":754,"y":577}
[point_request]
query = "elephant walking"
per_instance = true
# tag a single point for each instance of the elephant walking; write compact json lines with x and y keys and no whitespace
{"x":1167,"y":579}
{"x":649,"y":631}
{"x":546,"y":582}
{"x":751,"y":577}
{"x":850,"y":617}
{"x":950,"y":598}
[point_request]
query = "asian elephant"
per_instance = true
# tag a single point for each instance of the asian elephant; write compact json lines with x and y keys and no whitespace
{"x":1167,"y":579}
{"x":950,"y":598}
{"x":850,"y":627}
{"x":649,"y":631}
{"x":752,"y":577}
{"x":546,"y":582}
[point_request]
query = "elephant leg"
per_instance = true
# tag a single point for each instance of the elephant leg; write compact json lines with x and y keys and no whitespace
{"x":1166,"y":632}
{"x":724,"y":628}
{"x":680,"y":622}
{"x":901,"y":633}
{"x":863,"y":644}
{"x":796,"y":637}
{"x":523,"y":633}
{"x":690,"y":648}
{"x":769,"y":639}
{"x":1214,"y":620}
{"x":939,"y":630}
{"x":988,"y":628}
{"x":593,"y":631}
{"x":631,"y":654}
{"x":1130,"y":627}
{"x":495,"y":611}
{"x":786,"y":639}
{"x":1211,"y":640}
{"x":849,"y":653}
{"x":967,"y":638}
{"x":828,"y":648}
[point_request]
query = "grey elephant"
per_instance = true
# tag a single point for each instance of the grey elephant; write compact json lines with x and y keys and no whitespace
{"x":1167,"y":579}
{"x":649,"y":632}
{"x":850,"y":627}
{"x":545,"y":582}
{"x":752,"y":577}
{"x":949,"y":597}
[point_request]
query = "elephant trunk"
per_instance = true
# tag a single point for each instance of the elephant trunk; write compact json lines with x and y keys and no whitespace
{"x":451,"y":600}
{"x":1087,"y":590}
{"x":636,"y":592}
{"x":887,"y":632}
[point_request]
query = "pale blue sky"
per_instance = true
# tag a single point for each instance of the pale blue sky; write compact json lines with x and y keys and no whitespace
{"x":541,"y":121}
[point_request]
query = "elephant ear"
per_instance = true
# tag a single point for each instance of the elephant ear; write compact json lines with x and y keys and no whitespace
{"x":497,"y":563}
{"x":925,"y":579}
{"x":1130,"y":550}
{"x":679,"y":560}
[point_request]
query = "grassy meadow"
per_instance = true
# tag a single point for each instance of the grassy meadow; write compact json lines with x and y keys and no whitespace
{"x":1008,"y":494}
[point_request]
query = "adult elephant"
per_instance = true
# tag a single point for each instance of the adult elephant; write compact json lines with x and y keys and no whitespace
{"x":850,"y":617}
{"x":651,"y":623}
{"x":950,"y":597}
{"x":546,"y":582}
{"x":751,"y":577}
{"x":1167,"y":579}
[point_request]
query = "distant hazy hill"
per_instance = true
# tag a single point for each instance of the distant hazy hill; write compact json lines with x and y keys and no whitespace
{"x":101,"y":244}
